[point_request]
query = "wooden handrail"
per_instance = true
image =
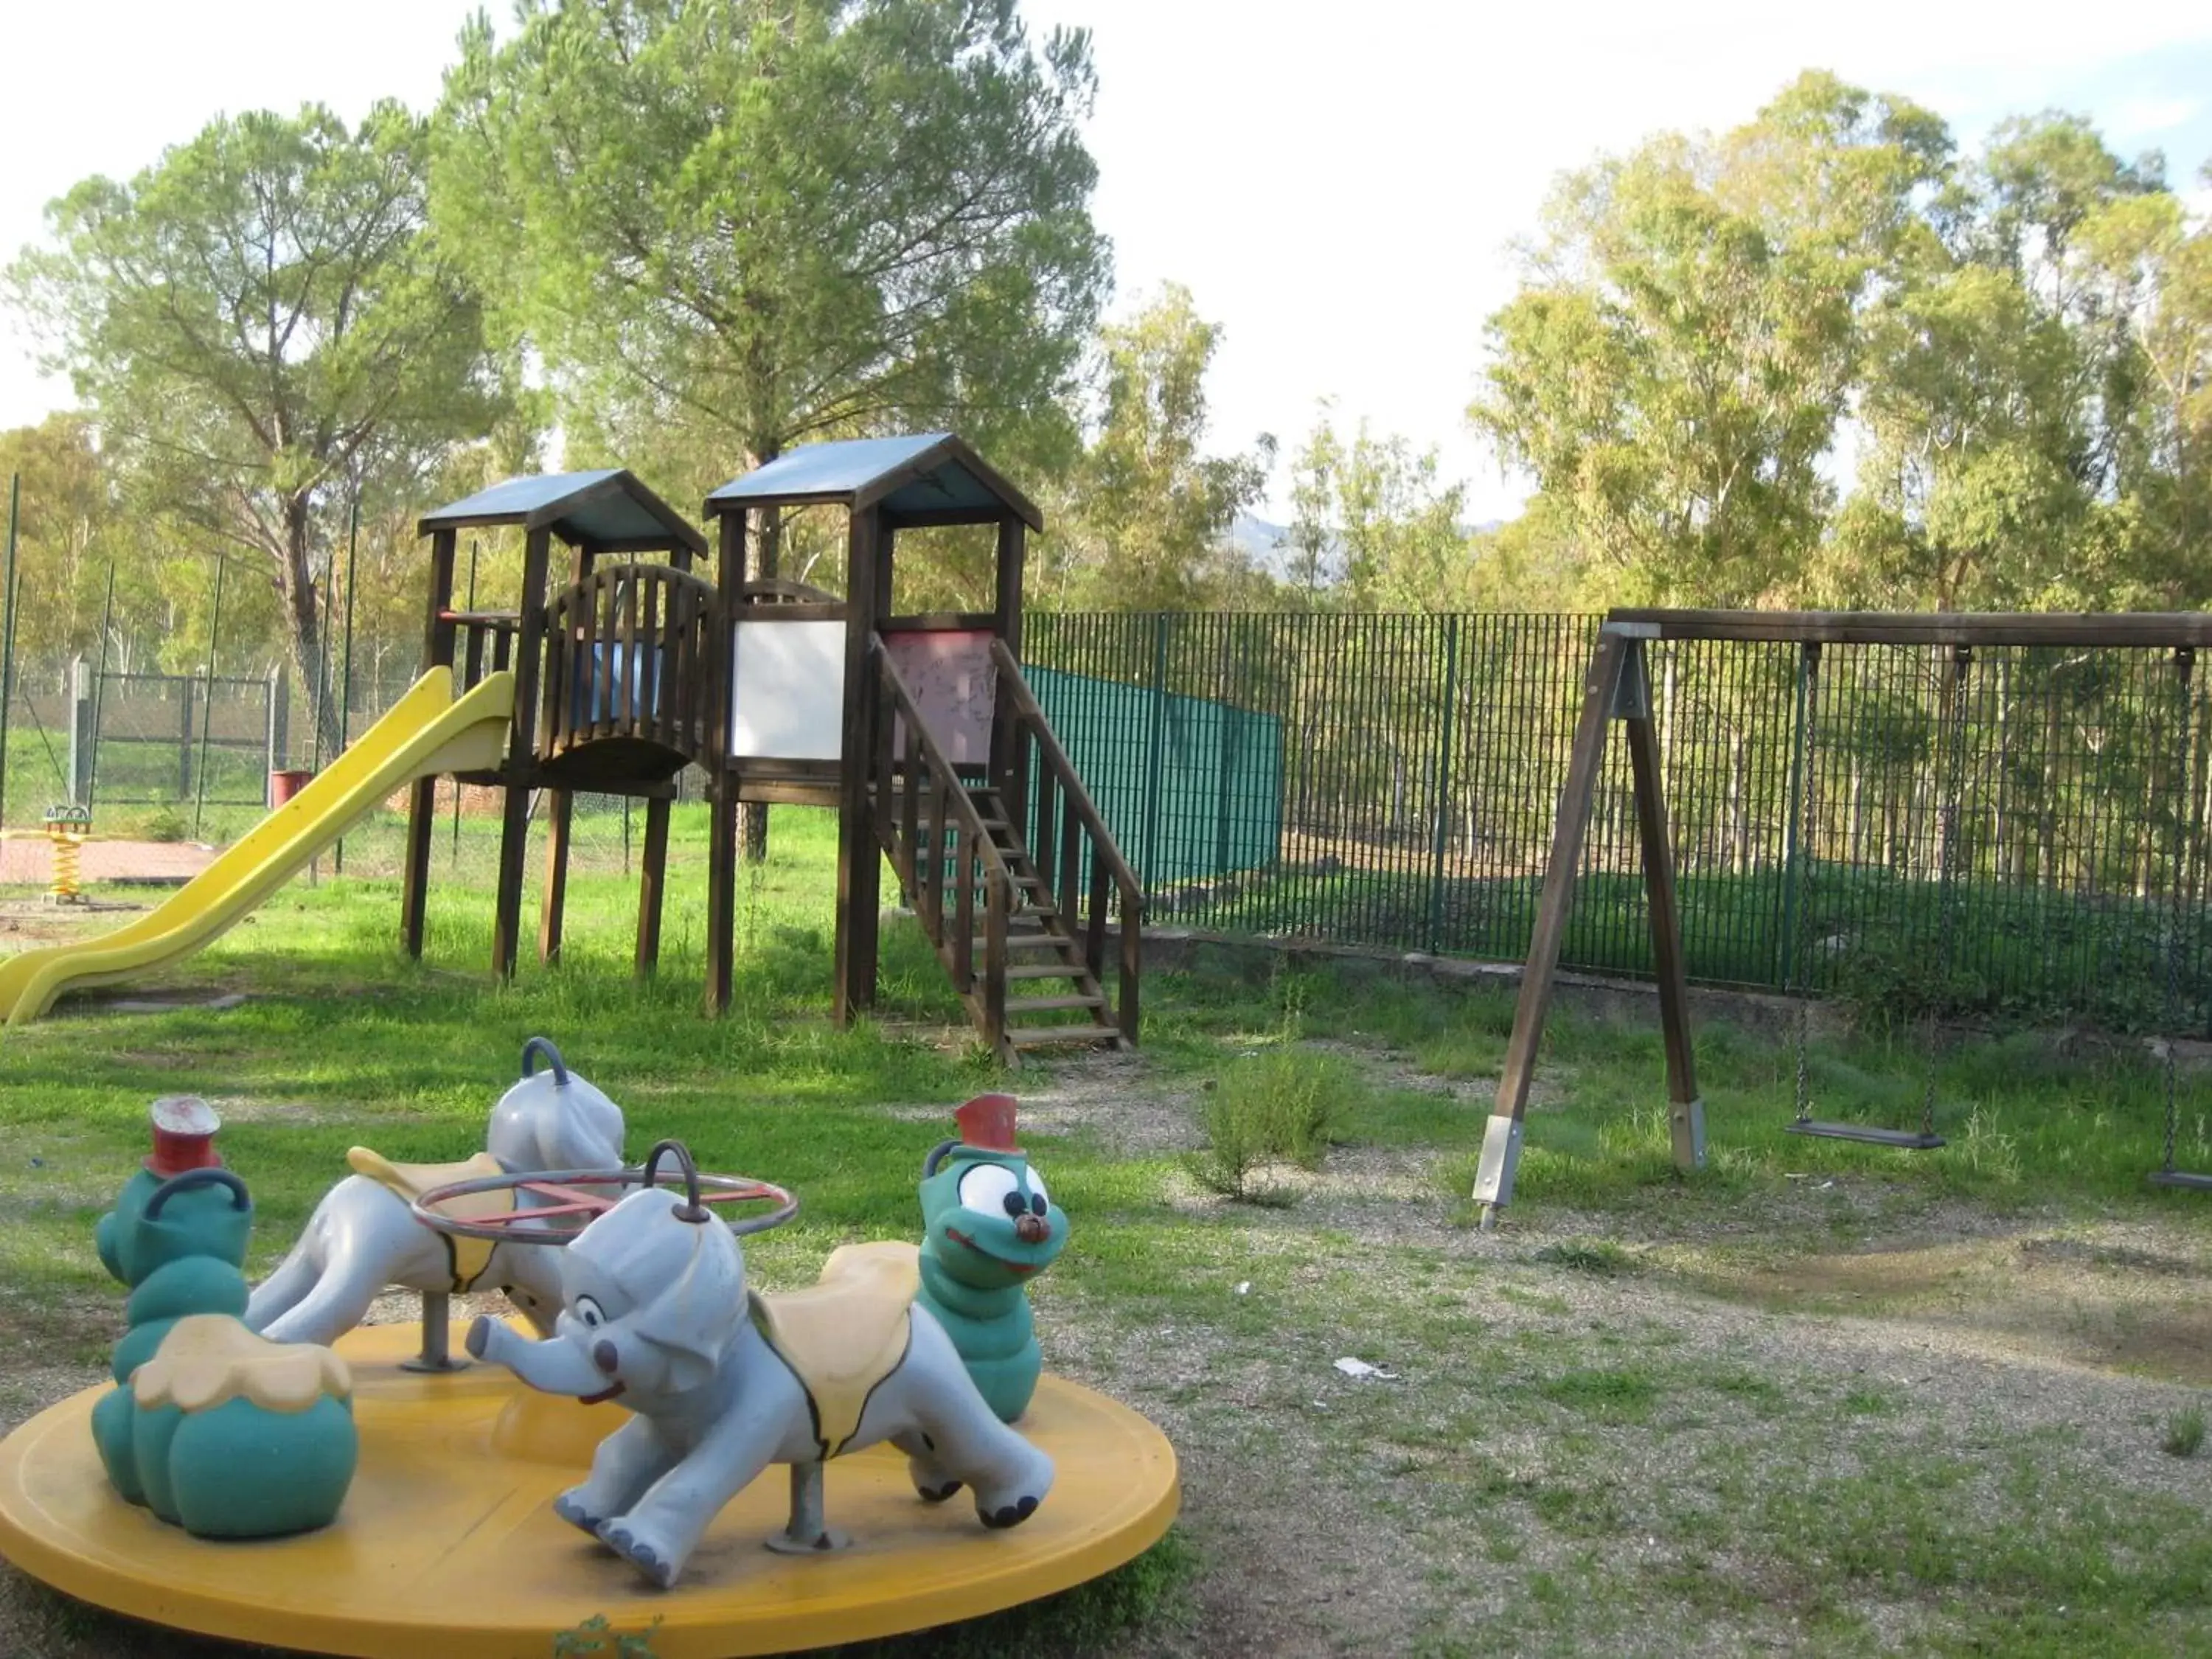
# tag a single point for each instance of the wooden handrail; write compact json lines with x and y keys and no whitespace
{"x":901,"y":834}
{"x":1063,"y":769}
{"x":963,"y":806}
{"x":1060,"y":855}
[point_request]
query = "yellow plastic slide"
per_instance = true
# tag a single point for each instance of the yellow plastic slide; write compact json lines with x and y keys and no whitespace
{"x":427,"y":731}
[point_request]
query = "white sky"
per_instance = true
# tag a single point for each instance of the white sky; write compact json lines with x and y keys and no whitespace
{"x":1337,"y":185}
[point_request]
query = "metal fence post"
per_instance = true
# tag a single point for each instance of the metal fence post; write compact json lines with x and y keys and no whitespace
{"x":1441,"y":835}
{"x":1792,"y":848}
{"x":8,"y":640}
{"x":81,"y":735}
{"x":1156,"y":761}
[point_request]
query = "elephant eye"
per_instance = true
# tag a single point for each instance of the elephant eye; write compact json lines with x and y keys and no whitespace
{"x":989,"y":1187}
{"x":589,"y":1312}
{"x":1038,"y":1199}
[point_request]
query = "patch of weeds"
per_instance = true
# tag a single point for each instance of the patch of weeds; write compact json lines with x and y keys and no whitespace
{"x":1286,"y":1106}
{"x":1869,"y":1402}
{"x":2185,"y":1434}
{"x":1601,"y":1256}
{"x":595,"y":1637}
{"x":1623,"y":1395}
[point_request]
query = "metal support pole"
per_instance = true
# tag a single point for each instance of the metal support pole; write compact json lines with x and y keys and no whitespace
{"x":807,"y":1533}
{"x":437,"y":1354}
{"x":8,"y":639}
{"x":1440,"y":842}
{"x":345,"y":668}
{"x":99,"y":688}
{"x":473,"y":545}
{"x":207,"y":706}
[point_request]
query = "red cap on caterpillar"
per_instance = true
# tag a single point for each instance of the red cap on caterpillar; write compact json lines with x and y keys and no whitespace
{"x":184,"y":1136}
{"x":987,"y":1123}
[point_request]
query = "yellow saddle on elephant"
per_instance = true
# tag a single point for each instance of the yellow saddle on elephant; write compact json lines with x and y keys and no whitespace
{"x":470,"y":1256}
{"x":843,"y":1334}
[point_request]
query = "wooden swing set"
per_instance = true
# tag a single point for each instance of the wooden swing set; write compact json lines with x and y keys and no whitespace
{"x":1618,"y":690}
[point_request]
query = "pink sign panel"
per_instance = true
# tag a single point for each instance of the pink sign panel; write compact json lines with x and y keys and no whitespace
{"x":951,"y":678}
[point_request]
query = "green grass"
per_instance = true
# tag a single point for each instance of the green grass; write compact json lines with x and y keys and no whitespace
{"x":1539,"y":1430}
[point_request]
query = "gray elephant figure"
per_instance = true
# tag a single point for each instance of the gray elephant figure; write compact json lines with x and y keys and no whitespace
{"x":363,"y":1237}
{"x":655,"y":1315}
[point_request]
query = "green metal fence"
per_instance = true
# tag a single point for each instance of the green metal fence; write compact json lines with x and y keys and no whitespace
{"x":1422,"y":758}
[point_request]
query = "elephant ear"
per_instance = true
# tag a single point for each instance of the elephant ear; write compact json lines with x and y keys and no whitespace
{"x":691,"y":1322}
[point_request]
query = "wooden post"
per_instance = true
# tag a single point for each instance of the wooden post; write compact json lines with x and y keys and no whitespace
{"x":560,"y":808}
{"x":422,"y":797}
{"x":1501,"y":1143}
{"x":858,"y":864}
{"x":652,"y":884}
{"x":721,"y":778}
{"x":522,"y":756}
{"x":1685,"y":1112}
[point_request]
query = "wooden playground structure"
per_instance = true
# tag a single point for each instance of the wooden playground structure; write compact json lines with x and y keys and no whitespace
{"x":920,"y":730}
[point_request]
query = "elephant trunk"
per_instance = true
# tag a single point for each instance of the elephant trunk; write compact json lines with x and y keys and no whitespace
{"x":554,"y":1366}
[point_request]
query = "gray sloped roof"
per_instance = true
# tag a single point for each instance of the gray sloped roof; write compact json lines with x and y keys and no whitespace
{"x":584,"y":510}
{"x":929,"y":472}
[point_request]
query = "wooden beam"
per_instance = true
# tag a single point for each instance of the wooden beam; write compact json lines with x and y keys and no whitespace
{"x":651,"y":886}
{"x":2146,"y":629}
{"x":422,"y":798}
{"x":521,"y":758}
{"x":721,"y":786}
{"x":414,"y":878}
{"x":858,"y":863}
{"x":940,"y":622}
{"x":1686,"y":1115}
{"x":560,"y":809}
{"x":1501,"y":1146}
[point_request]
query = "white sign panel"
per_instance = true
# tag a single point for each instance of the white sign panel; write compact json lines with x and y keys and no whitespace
{"x":788,"y":697}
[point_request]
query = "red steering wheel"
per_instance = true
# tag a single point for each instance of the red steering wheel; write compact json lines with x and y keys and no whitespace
{"x":567,"y":1195}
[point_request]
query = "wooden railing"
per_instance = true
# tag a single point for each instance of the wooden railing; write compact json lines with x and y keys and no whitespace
{"x":483,"y":643}
{"x":1063,"y":823}
{"x":937,"y":841}
{"x":626,"y":657}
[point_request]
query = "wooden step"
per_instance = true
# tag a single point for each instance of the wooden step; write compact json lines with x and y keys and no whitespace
{"x":1042,"y":1005}
{"x":1047,"y":1036}
{"x":1024,"y":940}
{"x":1048,"y":970}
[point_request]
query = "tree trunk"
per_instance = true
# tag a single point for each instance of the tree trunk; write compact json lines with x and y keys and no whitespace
{"x":304,"y":622}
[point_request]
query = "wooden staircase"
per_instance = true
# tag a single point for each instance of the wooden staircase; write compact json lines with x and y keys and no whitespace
{"x":1021,"y":933}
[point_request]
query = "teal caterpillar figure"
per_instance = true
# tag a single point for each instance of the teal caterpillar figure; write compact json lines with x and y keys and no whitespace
{"x":207,"y":1426}
{"x":991,"y":1228}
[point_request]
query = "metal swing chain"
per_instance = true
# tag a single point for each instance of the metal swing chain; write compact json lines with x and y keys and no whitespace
{"x":1961,"y":661}
{"x":1811,"y":661}
{"x":2184,"y":660}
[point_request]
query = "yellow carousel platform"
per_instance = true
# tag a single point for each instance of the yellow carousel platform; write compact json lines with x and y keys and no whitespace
{"x":448,"y":1548}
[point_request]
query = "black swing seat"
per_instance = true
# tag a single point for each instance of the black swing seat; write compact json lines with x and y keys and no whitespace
{"x":1912,"y":1140}
{"x":2196,"y":1183}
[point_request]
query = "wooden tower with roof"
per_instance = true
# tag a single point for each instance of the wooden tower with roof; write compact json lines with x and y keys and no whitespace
{"x":611,"y":678}
{"x":920,"y":730}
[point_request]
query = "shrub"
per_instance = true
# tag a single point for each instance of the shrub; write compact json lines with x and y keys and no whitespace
{"x":1286,"y":1106}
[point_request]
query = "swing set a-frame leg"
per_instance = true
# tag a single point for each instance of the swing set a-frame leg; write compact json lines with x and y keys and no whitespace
{"x":1618,"y":689}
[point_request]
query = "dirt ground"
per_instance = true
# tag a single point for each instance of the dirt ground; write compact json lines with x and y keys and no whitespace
{"x":1976,"y":1323}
